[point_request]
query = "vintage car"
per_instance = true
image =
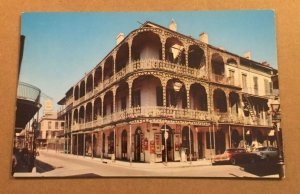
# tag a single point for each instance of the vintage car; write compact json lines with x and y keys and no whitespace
{"x":266,"y":153}
{"x":235,"y":155}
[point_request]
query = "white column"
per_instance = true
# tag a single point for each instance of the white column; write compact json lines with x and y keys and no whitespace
{"x":115,"y":142}
{"x":130,"y":143}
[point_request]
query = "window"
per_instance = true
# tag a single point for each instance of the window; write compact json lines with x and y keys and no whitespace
{"x":255,"y":85}
{"x":210,"y":144}
{"x":56,"y":125}
{"x":244,"y":82}
{"x":136,"y":97}
{"x":271,"y":87}
{"x":62,"y":125}
{"x":49,"y":124}
{"x":231,"y":76}
{"x":267,"y":85}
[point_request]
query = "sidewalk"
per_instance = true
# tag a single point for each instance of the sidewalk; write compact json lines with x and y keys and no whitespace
{"x":141,"y":165}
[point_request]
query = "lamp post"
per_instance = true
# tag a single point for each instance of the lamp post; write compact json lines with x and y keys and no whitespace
{"x":275,"y":106}
{"x":166,"y":136}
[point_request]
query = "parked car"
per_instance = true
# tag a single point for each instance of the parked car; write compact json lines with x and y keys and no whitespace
{"x":235,"y":156}
{"x":266,"y":153}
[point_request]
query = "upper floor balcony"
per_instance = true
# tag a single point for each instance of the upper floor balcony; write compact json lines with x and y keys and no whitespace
{"x":224,"y":80}
{"x":135,"y":66}
{"x":157,"y":112}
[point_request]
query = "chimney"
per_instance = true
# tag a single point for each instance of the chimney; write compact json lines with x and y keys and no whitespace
{"x":203,"y":37}
{"x":173,"y":25}
{"x":265,"y":63}
{"x":119,"y":38}
{"x":247,"y":55}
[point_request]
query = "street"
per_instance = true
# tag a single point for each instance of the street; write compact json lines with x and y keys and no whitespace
{"x":55,"y":164}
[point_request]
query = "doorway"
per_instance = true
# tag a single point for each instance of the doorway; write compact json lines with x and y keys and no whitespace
{"x":137,"y":144}
{"x":200,"y":145}
{"x":124,"y":145}
{"x":169,"y":148}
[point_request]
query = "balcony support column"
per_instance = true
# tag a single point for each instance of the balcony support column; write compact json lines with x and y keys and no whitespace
{"x":102,"y":105}
{"x":92,"y":120}
{"x":163,"y":49}
{"x":114,"y":99}
{"x":84,"y":115}
{"x":71,"y":144}
{"x":227,"y":102}
{"x":188,"y":97}
{"x":129,"y":93}
{"x":186,"y":52}
{"x":164,"y":90}
{"x":115,"y":143}
{"x":130,"y":145}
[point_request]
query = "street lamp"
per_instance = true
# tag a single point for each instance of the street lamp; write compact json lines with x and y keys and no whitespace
{"x":177,"y":86}
{"x":275,"y":106}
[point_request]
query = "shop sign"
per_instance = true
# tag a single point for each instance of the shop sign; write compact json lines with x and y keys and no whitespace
{"x":152,"y":148}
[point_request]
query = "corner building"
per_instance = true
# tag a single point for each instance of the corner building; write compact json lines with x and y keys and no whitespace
{"x":162,"y":95}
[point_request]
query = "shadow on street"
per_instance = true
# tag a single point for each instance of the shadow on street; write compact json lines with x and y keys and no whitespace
{"x":42,"y":166}
{"x":262,"y":168}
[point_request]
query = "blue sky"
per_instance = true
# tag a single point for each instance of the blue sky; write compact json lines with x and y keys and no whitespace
{"x":60,"y":47}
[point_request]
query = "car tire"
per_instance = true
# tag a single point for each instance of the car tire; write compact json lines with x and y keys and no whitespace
{"x":233,"y":161}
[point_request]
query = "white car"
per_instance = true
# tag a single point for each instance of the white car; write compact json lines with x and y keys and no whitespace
{"x":266,"y":152}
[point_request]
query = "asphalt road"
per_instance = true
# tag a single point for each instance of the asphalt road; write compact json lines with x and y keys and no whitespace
{"x":52,"y":164}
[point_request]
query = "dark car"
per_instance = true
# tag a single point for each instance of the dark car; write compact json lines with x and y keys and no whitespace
{"x":266,"y":153}
{"x":235,"y":156}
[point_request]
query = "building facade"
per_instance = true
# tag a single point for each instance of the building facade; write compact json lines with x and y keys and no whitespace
{"x":51,"y":130}
{"x":160,"y":95}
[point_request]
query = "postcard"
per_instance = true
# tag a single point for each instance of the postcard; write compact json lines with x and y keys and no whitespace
{"x":148,"y":94}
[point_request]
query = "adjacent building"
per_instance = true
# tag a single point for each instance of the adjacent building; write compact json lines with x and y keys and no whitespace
{"x":160,"y":95}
